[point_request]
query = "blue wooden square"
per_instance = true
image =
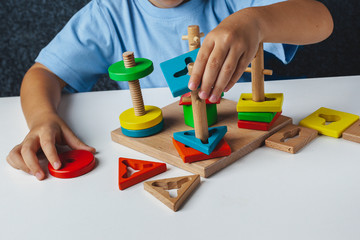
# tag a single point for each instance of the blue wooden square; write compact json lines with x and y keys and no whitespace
{"x":176,"y":73}
{"x":188,"y":138}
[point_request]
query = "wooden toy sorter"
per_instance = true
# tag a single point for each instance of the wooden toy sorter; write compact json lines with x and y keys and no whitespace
{"x":241,"y":141}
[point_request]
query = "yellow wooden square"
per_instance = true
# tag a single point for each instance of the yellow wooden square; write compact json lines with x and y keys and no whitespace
{"x":329,"y":122}
{"x":273,"y":103}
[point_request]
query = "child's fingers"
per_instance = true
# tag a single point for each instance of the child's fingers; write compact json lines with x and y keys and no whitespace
{"x":199,"y":66}
{"x":16,"y":161}
{"x":225,"y":75}
{"x":242,"y":64}
{"x":212,"y":69}
{"x":74,"y":142}
{"x":47,"y":143}
{"x":28,"y":153}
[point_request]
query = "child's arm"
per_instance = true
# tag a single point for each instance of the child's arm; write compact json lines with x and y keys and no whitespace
{"x":40,"y":96}
{"x":229,"y":48}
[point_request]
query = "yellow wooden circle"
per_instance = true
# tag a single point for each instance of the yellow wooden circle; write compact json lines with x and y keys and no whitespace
{"x":152,"y":117}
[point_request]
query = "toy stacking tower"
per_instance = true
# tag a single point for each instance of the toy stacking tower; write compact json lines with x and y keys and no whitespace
{"x":258,"y":110}
{"x":203,"y":142}
{"x":139,"y":121}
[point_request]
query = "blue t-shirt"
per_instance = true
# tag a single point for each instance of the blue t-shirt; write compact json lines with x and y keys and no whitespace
{"x":97,"y":35}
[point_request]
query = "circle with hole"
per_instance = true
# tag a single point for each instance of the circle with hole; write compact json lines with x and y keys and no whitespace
{"x":152,"y":117}
{"x":144,"y":132}
{"x":118,"y":71}
{"x":73,"y":164}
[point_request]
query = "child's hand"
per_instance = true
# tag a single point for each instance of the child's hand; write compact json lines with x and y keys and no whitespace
{"x":224,"y":55}
{"x":45,"y":133}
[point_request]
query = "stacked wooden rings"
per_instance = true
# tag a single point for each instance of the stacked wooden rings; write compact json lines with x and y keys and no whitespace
{"x":139,"y":121}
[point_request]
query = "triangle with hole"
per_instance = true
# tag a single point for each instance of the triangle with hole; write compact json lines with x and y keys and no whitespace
{"x":184,"y":185}
{"x":188,"y":138}
{"x":143,"y":170}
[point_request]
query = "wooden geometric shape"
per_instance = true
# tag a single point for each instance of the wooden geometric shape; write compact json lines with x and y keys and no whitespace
{"x":186,"y":99}
{"x":339,"y":121}
{"x":353,"y":132}
{"x":189,"y":155}
{"x":146,"y":170}
{"x":130,"y":121}
{"x":160,"y":146}
{"x":176,"y":73}
{"x":256,"y":116}
{"x":291,"y":138}
{"x":188,"y":138}
{"x":263,"y":126}
{"x":118,"y":71}
{"x":185,"y":185}
{"x":273,"y":103}
{"x":144,"y":132}
{"x":211,"y":113}
{"x":73,"y":164}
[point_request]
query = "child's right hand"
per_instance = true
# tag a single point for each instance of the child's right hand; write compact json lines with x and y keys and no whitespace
{"x":46,"y":132}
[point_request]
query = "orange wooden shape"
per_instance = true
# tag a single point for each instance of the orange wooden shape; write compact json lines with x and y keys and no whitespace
{"x":146,"y":170}
{"x":189,"y":155}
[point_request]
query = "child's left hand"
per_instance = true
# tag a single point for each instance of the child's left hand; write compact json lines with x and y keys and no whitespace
{"x":224,"y":55}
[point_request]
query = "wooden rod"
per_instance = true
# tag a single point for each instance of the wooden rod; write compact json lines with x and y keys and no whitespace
{"x":193,"y":37}
{"x":134,"y":86}
{"x":199,"y":113}
{"x":265,"y":71}
{"x":257,"y":76}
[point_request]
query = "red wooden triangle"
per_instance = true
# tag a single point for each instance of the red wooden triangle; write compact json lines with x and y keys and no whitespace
{"x":146,"y":169}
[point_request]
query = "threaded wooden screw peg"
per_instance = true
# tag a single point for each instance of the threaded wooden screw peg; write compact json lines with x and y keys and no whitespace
{"x":134,"y":86}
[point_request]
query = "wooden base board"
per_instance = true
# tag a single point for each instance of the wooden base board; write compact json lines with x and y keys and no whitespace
{"x":160,"y":146}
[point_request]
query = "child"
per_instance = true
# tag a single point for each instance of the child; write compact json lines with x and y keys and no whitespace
{"x":98,"y":34}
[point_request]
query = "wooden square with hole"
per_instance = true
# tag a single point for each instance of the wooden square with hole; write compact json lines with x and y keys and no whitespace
{"x":176,"y":73}
{"x":329,"y":122}
{"x":189,"y":155}
{"x":273,"y":103}
{"x":291,"y":138}
{"x":353,"y":132}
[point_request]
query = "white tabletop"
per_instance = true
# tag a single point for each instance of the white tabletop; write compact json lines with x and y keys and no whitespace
{"x":268,"y":194}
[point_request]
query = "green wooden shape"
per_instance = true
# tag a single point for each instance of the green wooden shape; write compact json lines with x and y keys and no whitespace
{"x":211,"y":113}
{"x":256,"y":116}
{"x":118,"y":72}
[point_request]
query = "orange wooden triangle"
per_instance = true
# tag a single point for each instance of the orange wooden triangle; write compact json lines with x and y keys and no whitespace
{"x":185,"y":185}
{"x":146,"y":170}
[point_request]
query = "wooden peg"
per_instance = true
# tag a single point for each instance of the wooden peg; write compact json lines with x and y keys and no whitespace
{"x":134,"y":86}
{"x":257,"y":75}
{"x":193,"y":37}
{"x":265,"y":71}
{"x":185,"y":186}
{"x":198,"y":104}
{"x":199,"y":113}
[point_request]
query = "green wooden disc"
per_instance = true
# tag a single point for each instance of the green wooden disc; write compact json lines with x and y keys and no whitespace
{"x":118,"y":72}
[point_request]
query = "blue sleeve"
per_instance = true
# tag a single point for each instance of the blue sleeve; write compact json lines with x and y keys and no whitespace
{"x":284,"y":52}
{"x":79,"y":52}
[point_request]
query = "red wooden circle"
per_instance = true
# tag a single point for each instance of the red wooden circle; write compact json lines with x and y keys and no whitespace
{"x":73,"y":164}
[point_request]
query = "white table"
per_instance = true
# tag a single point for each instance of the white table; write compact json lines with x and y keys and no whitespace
{"x":268,"y":194}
